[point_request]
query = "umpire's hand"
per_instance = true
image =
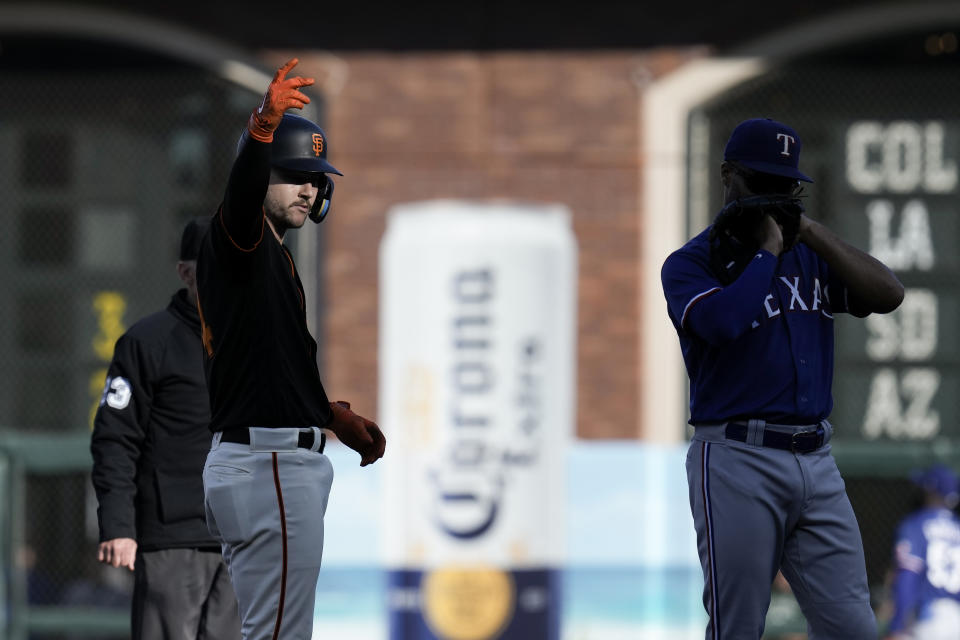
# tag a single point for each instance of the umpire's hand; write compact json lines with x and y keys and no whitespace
{"x":119,"y":552}
{"x":358,"y":433}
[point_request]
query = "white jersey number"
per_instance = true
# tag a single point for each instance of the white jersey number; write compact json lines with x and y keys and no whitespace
{"x":943,"y":565}
{"x":116,"y":393}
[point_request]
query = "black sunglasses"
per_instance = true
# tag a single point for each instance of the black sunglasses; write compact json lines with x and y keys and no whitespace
{"x":302,"y":177}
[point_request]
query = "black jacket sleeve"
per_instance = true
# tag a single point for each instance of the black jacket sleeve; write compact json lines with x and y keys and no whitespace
{"x":119,"y":436}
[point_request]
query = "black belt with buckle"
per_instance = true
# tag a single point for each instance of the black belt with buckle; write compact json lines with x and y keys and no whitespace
{"x":799,"y":442}
{"x":304,"y":439}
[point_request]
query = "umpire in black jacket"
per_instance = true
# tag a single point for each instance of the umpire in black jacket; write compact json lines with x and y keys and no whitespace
{"x":150,"y":441}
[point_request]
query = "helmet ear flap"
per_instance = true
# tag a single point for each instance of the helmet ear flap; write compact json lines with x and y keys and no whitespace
{"x":321,"y":206}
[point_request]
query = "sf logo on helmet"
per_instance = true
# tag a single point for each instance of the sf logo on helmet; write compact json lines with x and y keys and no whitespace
{"x":317,"y":143}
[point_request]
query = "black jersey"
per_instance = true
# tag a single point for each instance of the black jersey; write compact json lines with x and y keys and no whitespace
{"x":261,"y":361}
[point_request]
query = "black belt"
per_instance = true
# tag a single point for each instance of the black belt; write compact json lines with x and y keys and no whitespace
{"x":304,"y":439}
{"x":799,"y":442}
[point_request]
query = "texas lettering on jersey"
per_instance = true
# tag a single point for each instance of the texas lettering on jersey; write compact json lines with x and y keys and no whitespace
{"x":785,"y":304}
{"x":817,"y":298}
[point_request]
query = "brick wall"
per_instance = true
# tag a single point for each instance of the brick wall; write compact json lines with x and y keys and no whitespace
{"x":537,"y":126}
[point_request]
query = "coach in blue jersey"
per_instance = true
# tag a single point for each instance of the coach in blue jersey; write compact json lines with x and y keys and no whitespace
{"x":926,"y":587}
{"x":753,"y":302}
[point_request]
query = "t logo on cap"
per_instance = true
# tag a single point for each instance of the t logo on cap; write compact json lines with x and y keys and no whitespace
{"x":766,"y":146}
{"x":787,"y":139}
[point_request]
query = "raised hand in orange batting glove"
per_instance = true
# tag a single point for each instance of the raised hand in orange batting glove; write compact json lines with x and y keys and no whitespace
{"x":282,"y":94}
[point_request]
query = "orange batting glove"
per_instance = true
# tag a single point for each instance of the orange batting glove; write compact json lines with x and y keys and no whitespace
{"x":282,"y":94}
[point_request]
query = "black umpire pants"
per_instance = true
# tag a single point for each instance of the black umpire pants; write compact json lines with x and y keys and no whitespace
{"x":183,"y":594}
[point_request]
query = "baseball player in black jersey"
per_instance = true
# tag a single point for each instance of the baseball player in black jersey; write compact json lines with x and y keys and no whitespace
{"x":149,"y":443}
{"x":266,"y":479}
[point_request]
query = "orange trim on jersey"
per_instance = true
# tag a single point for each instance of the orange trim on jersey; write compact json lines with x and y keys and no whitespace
{"x":263,"y":217}
{"x":293,"y":274}
{"x":206,"y":335}
{"x":283,"y":535}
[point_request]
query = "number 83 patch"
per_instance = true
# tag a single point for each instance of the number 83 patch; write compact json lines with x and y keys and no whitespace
{"x":116,"y":393}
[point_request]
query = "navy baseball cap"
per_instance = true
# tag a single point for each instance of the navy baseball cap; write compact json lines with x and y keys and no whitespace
{"x":192,"y":238}
{"x":766,"y":146}
{"x":939,"y":479}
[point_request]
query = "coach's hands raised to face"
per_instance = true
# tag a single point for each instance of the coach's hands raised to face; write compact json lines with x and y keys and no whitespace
{"x":358,"y":433}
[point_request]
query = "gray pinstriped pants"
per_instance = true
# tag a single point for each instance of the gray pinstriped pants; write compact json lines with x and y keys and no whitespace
{"x":265,"y":502}
{"x":759,"y":510}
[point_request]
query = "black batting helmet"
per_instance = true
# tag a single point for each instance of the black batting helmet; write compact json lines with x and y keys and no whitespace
{"x":300,"y":145}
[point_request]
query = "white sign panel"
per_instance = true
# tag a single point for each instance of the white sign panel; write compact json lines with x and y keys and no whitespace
{"x":477,"y":400}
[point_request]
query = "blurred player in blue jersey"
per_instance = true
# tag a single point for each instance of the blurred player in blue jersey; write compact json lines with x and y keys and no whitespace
{"x":926,"y":587}
{"x":752,"y":299}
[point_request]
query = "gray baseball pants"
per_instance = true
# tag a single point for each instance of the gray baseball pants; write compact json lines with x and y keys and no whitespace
{"x":758,"y":510}
{"x":265,"y":502}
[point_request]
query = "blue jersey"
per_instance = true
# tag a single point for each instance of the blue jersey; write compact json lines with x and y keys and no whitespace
{"x":928,"y":564}
{"x":762,"y":346}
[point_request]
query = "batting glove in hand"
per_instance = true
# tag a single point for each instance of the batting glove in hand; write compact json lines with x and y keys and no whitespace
{"x":358,"y":433}
{"x":282,"y":94}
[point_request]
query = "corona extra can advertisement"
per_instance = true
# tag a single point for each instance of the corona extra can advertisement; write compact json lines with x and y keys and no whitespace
{"x":477,"y":353}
